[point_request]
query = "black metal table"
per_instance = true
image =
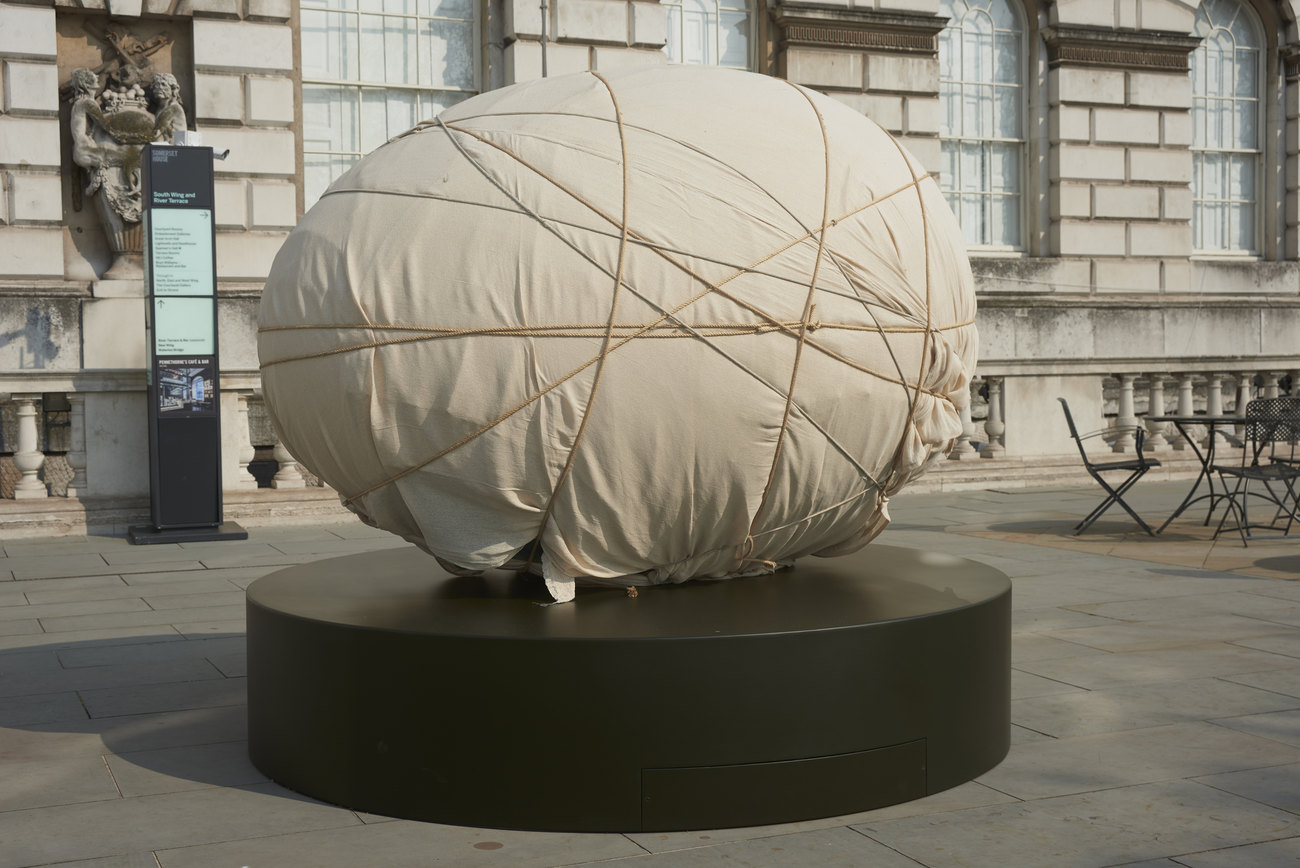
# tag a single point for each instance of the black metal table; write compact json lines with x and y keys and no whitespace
{"x":1206,"y":457}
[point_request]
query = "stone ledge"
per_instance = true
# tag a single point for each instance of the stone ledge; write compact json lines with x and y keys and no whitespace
{"x":267,"y":507}
{"x":70,"y":516}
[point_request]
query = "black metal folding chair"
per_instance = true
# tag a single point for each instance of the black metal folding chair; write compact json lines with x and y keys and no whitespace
{"x":1272,"y":427}
{"x":1135,"y":467}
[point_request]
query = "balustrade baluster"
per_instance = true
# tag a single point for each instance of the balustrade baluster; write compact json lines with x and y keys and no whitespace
{"x":994,"y":429}
{"x":28,"y":459}
{"x":288,"y":476}
{"x":1245,"y":379}
{"x":244,"y":479}
{"x":1270,"y":384}
{"x":1214,"y":407}
{"x":78,"y":486}
{"x":962,"y":450}
{"x":1156,"y":440}
{"x":1125,"y":415}
{"x":1186,"y":407}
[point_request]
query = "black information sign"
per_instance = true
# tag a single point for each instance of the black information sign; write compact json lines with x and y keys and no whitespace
{"x":181,"y":342}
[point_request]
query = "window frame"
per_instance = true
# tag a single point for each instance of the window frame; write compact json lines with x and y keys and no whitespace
{"x":719,"y":6}
{"x":1263,"y":94}
{"x":359,"y":86}
{"x":1025,"y":84}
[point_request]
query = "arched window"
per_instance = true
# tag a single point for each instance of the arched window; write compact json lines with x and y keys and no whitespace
{"x":981,"y":119}
{"x":713,"y":32}
{"x":374,"y":68}
{"x":1226,"y":71}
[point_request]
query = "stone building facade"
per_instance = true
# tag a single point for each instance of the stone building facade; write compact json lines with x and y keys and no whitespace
{"x":1127,"y":175}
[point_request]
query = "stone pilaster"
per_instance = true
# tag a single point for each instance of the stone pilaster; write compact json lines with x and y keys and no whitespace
{"x":884,"y":64}
{"x":1290,"y":62}
{"x":1120,"y":167}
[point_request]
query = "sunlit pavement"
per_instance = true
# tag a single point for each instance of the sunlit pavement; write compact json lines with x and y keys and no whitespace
{"x":1156,"y":710}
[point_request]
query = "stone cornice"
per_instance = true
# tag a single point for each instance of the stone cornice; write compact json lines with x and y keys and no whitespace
{"x":815,"y":26}
{"x":1157,"y":51}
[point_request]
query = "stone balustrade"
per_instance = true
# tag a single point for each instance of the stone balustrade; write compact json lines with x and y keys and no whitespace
{"x":1012,"y":416}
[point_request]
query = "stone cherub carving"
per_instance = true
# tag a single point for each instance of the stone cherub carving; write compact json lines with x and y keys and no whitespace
{"x":109,"y":131}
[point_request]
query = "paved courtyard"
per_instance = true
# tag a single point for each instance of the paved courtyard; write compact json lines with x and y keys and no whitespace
{"x":1156,"y":710}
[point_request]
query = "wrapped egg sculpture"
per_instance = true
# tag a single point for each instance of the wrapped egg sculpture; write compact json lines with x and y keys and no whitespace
{"x":625,"y":328}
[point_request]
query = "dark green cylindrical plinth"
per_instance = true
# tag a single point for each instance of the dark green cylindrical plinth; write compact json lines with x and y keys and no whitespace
{"x":378,"y":682}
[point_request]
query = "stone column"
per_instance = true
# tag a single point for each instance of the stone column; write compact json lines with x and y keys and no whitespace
{"x":1126,"y":416}
{"x":1156,"y":441}
{"x":28,"y":459}
{"x":1186,"y":407}
{"x":288,"y":476}
{"x":1244,"y":381}
{"x":77,"y":486}
{"x":993,"y":426}
{"x":1214,"y":407}
{"x":1270,"y":389}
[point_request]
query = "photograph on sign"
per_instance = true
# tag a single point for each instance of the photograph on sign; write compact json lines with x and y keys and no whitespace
{"x":186,"y":387}
{"x":180,"y":245}
{"x":184,"y":326}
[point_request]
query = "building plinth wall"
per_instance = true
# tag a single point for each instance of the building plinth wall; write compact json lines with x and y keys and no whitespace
{"x":1117,"y":274}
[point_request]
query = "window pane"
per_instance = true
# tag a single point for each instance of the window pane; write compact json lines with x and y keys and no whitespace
{"x":1247,"y":72}
{"x":1217,"y":119}
{"x":451,"y":53}
{"x":949,"y":109}
{"x":329,"y":45}
{"x":320,"y":170}
{"x":329,"y":118}
{"x":1214,"y":228}
{"x":673,"y":45}
{"x":1008,"y":113}
{"x":1004,"y":164}
{"x":1243,"y":227}
{"x":1213,"y":177}
{"x":977,"y":110}
{"x":1247,"y":122}
{"x":698,"y":30}
{"x":971,"y":216}
{"x":949,"y":173}
{"x":1004,"y":16}
{"x":1242,"y":181}
{"x":1007,"y":58}
{"x":1006,"y":220}
{"x":384,"y":114}
{"x":448,"y":8}
{"x":949,"y":53}
{"x":973,"y":168}
{"x":734,"y":38}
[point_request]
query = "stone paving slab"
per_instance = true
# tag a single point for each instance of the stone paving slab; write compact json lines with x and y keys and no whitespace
{"x":40,"y":836}
{"x":1080,"y":764}
{"x":1148,"y":705}
{"x":1156,"y":719}
{"x":174,"y":696}
{"x":1090,"y":830}
{"x":403,"y":844}
{"x":177,"y":769}
{"x":1272,"y":854}
{"x":1278,"y":786}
